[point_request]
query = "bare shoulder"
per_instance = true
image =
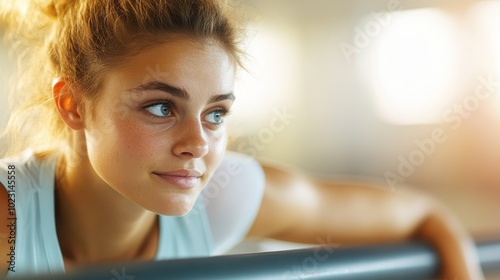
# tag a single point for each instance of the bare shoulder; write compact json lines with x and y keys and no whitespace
{"x":4,"y":230}
{"x":285,"y":200}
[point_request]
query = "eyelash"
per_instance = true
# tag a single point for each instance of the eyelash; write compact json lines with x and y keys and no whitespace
{"x":167,"y":103}
{"x":224,"y":112}
{"x":222,"y":109}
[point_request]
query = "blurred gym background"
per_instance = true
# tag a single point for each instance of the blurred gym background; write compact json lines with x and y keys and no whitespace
{"x":376,"y":90}
{"x":394,"y":92}
{"x":398,"y":92}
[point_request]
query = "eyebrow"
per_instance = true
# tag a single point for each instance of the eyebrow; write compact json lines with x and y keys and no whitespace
{"x":178,"y":92}
{"x":221,"y":97}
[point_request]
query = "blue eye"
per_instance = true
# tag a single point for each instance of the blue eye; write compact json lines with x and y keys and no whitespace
{"x":215,"y":117}
{"x":160,"y":109}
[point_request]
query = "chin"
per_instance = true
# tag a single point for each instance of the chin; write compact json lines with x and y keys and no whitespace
{"x":176,"y":205}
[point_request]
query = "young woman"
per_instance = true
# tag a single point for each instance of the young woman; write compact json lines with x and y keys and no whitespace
{"x":125,"y":105}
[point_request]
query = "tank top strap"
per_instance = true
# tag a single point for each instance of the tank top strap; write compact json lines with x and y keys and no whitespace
{"x":185,"y":236}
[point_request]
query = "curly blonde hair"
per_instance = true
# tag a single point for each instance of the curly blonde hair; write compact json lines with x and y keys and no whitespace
{"x":81,"y":39}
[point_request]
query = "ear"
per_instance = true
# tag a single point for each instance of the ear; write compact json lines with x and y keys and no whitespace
{"x":67,"y":107}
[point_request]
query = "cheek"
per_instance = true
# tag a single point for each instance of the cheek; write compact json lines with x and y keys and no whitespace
{"x":139,"y":143}
{"x":125,"y":144}
{"x":219,"y":145}
{"x":217,"y":149}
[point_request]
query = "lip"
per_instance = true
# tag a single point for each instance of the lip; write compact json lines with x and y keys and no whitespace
{"x":182,"y":178}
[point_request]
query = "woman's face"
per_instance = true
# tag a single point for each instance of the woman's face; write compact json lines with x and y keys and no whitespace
{"x":158,"y":133}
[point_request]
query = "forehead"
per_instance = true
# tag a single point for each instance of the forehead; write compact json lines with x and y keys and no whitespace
{"x":190,"y":64}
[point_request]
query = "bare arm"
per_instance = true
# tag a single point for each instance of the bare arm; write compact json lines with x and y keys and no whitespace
{"x":4,"y":246}
{"x":298,"y":209}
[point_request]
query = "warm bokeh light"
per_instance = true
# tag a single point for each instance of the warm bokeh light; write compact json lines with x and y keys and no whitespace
{"x":269,"y":81}
{"x":413,"y":69}
{"x":486,"y":17}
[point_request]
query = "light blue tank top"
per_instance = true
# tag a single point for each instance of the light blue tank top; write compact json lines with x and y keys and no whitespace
{"x":37,"y":248}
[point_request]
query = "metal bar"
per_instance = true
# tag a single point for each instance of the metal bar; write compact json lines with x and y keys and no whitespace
{"x":396,"y":261}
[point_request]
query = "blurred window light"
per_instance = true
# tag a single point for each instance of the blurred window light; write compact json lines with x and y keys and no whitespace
{"x":413,"y":66}
{"x":485,"y":15}
{"x":270,"y":81}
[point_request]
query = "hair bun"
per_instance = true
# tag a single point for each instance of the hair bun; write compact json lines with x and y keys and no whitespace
{"x":57,"y":8}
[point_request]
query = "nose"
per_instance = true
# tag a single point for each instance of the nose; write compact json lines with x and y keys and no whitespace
{"x":192,"y":140}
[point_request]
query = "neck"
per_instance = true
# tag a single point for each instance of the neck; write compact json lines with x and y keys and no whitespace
{"x":96,"y":224}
